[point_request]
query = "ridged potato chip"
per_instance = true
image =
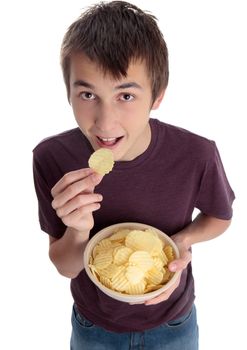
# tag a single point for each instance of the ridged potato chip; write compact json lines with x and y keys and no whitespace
{"x":152,"y":287}
{"x":102,"y":161}
{"x":103,"y":260}
{"x":138,"y":288}
{"x":167,"y":275}
{"x":122,"y":255}
{"x":162,"y":256}
{"x":158,"y":262}
{"x":105,"y":281}
{"x":169,"y":253}
{"x":104,"y":244}
{"x":143,"y":260}
{"x":136,"y":240}
{"x":120,"y":281}
{"x":134,"y":274}
{"x":110,"y":271}
{"x":120,"y":235}
{"x":154,"y":275}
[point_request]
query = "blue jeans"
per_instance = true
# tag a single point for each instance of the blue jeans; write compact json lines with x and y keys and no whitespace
{"x":180,"y":334}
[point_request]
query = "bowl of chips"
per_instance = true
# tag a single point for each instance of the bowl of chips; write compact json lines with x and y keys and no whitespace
{"x":129,"y":261}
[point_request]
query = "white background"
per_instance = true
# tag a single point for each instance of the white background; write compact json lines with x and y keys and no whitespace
{"x":206,"y":94}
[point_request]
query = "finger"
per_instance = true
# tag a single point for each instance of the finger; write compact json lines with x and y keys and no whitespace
{"x":70,"y":178}
{"x":140,"y":302}
{"x":84,"y":185}
{"x":162,"y":297}
{"x":73,"y":219}
{"x":181,"y":263}
{"x":165,"y":295}
{"x":77,"y":202}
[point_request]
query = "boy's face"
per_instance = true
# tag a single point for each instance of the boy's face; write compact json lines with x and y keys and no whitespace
{"x":112,"y":113}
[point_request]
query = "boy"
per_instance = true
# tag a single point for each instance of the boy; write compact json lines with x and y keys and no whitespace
{"x":115,"y":66}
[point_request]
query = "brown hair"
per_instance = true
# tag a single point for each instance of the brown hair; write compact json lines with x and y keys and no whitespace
{"x":113,"y":34}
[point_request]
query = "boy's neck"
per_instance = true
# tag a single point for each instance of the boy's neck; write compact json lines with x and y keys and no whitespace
{"x":141,"y":144}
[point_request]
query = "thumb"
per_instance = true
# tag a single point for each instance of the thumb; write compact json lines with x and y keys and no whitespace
{"x":180,"y":263}
{"x":95,"y":180}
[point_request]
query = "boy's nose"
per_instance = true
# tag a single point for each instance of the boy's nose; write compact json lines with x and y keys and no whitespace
{"x":105,"y":119}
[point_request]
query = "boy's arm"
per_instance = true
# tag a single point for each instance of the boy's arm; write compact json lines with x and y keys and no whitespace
{"x":66,"y":253}
{"x":74,"y":201}
{"x":202,"y":228}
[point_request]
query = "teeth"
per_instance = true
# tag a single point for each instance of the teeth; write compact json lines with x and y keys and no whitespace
{"x":109,"y":139}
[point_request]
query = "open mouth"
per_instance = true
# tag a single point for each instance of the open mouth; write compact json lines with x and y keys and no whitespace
{"x":108,"y":141}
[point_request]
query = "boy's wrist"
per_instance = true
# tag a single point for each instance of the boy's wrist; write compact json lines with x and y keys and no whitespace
{"x":182,"y":239}
{"x":78,"y":236}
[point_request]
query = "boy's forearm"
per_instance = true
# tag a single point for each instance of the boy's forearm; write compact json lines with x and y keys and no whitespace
{"x":66,"y":253}
{"x":202,"y":228}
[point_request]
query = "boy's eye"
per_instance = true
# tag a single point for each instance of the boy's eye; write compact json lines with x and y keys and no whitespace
{"x":87,"y":96}
{"x":127,"y":97}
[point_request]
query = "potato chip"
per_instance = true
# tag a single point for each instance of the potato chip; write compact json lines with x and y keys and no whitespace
{"x":154,"y":276}
{"x":134,"y":274}
{"x":105,"y":281}
{"x":158,"y":262}
{"x":120,"y":281}
{"x":138,"y":288}
{"x":103,"y":260}
{"x":144,"y":240}
{"x":94,"y":271}
{"x":162,"y":256}
{"x":104,"y":244}
{"x":110,"y":271}
{"x":141,"y":259}
{"x":119,"y":235}
{"x":167,"y":274}
{"x":101,"y":161}
{"x":122,"y":255}
{"x":169,"y":253}
{"x":90,"y":261}
{"x":152,"y":287}
{"x":119,"y":271}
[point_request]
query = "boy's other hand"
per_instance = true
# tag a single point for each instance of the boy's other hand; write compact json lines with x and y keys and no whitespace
{"x":74,"y":199}
{"x":176,"y":265}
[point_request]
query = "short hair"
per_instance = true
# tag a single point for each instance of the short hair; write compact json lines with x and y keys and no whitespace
{"x":113,"y":35}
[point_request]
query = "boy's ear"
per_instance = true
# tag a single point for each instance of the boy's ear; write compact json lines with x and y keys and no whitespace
{"x":158,"y":100}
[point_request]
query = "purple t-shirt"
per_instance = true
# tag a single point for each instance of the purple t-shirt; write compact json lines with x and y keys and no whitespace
{"x":180,"y":171}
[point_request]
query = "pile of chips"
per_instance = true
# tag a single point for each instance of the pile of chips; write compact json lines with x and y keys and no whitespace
{"x":101,"y":161}
{"x":132,"y":261}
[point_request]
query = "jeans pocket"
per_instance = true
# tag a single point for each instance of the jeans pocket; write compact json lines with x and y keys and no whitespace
{"x":79,"y":318}
{"x":180,"y":321}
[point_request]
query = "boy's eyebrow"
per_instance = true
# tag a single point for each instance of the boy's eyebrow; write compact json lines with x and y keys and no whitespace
{"x":83,"y":83}
{"x":128,"y":85}
{"x":121,"y":86}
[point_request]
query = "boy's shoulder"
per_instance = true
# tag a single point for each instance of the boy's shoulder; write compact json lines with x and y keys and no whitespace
{"x":68,"y":140}
{"x":185,"y":141}
{"x":67,"y":150}
{"x":53,"y":140}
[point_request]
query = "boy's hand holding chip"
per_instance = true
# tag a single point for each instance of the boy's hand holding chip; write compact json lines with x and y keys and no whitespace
{"x":74,"y":199}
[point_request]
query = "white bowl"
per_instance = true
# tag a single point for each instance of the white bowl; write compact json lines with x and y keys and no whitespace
{"x":108,"y":231}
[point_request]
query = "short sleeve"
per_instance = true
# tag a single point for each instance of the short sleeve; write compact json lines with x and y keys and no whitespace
{"x":49,"y":221}
{"x":215,"y":195}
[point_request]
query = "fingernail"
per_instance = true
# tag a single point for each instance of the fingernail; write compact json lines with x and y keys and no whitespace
{"x":96,"y":177}
{"x":100,"y":197}
{"x":173,"y":267}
